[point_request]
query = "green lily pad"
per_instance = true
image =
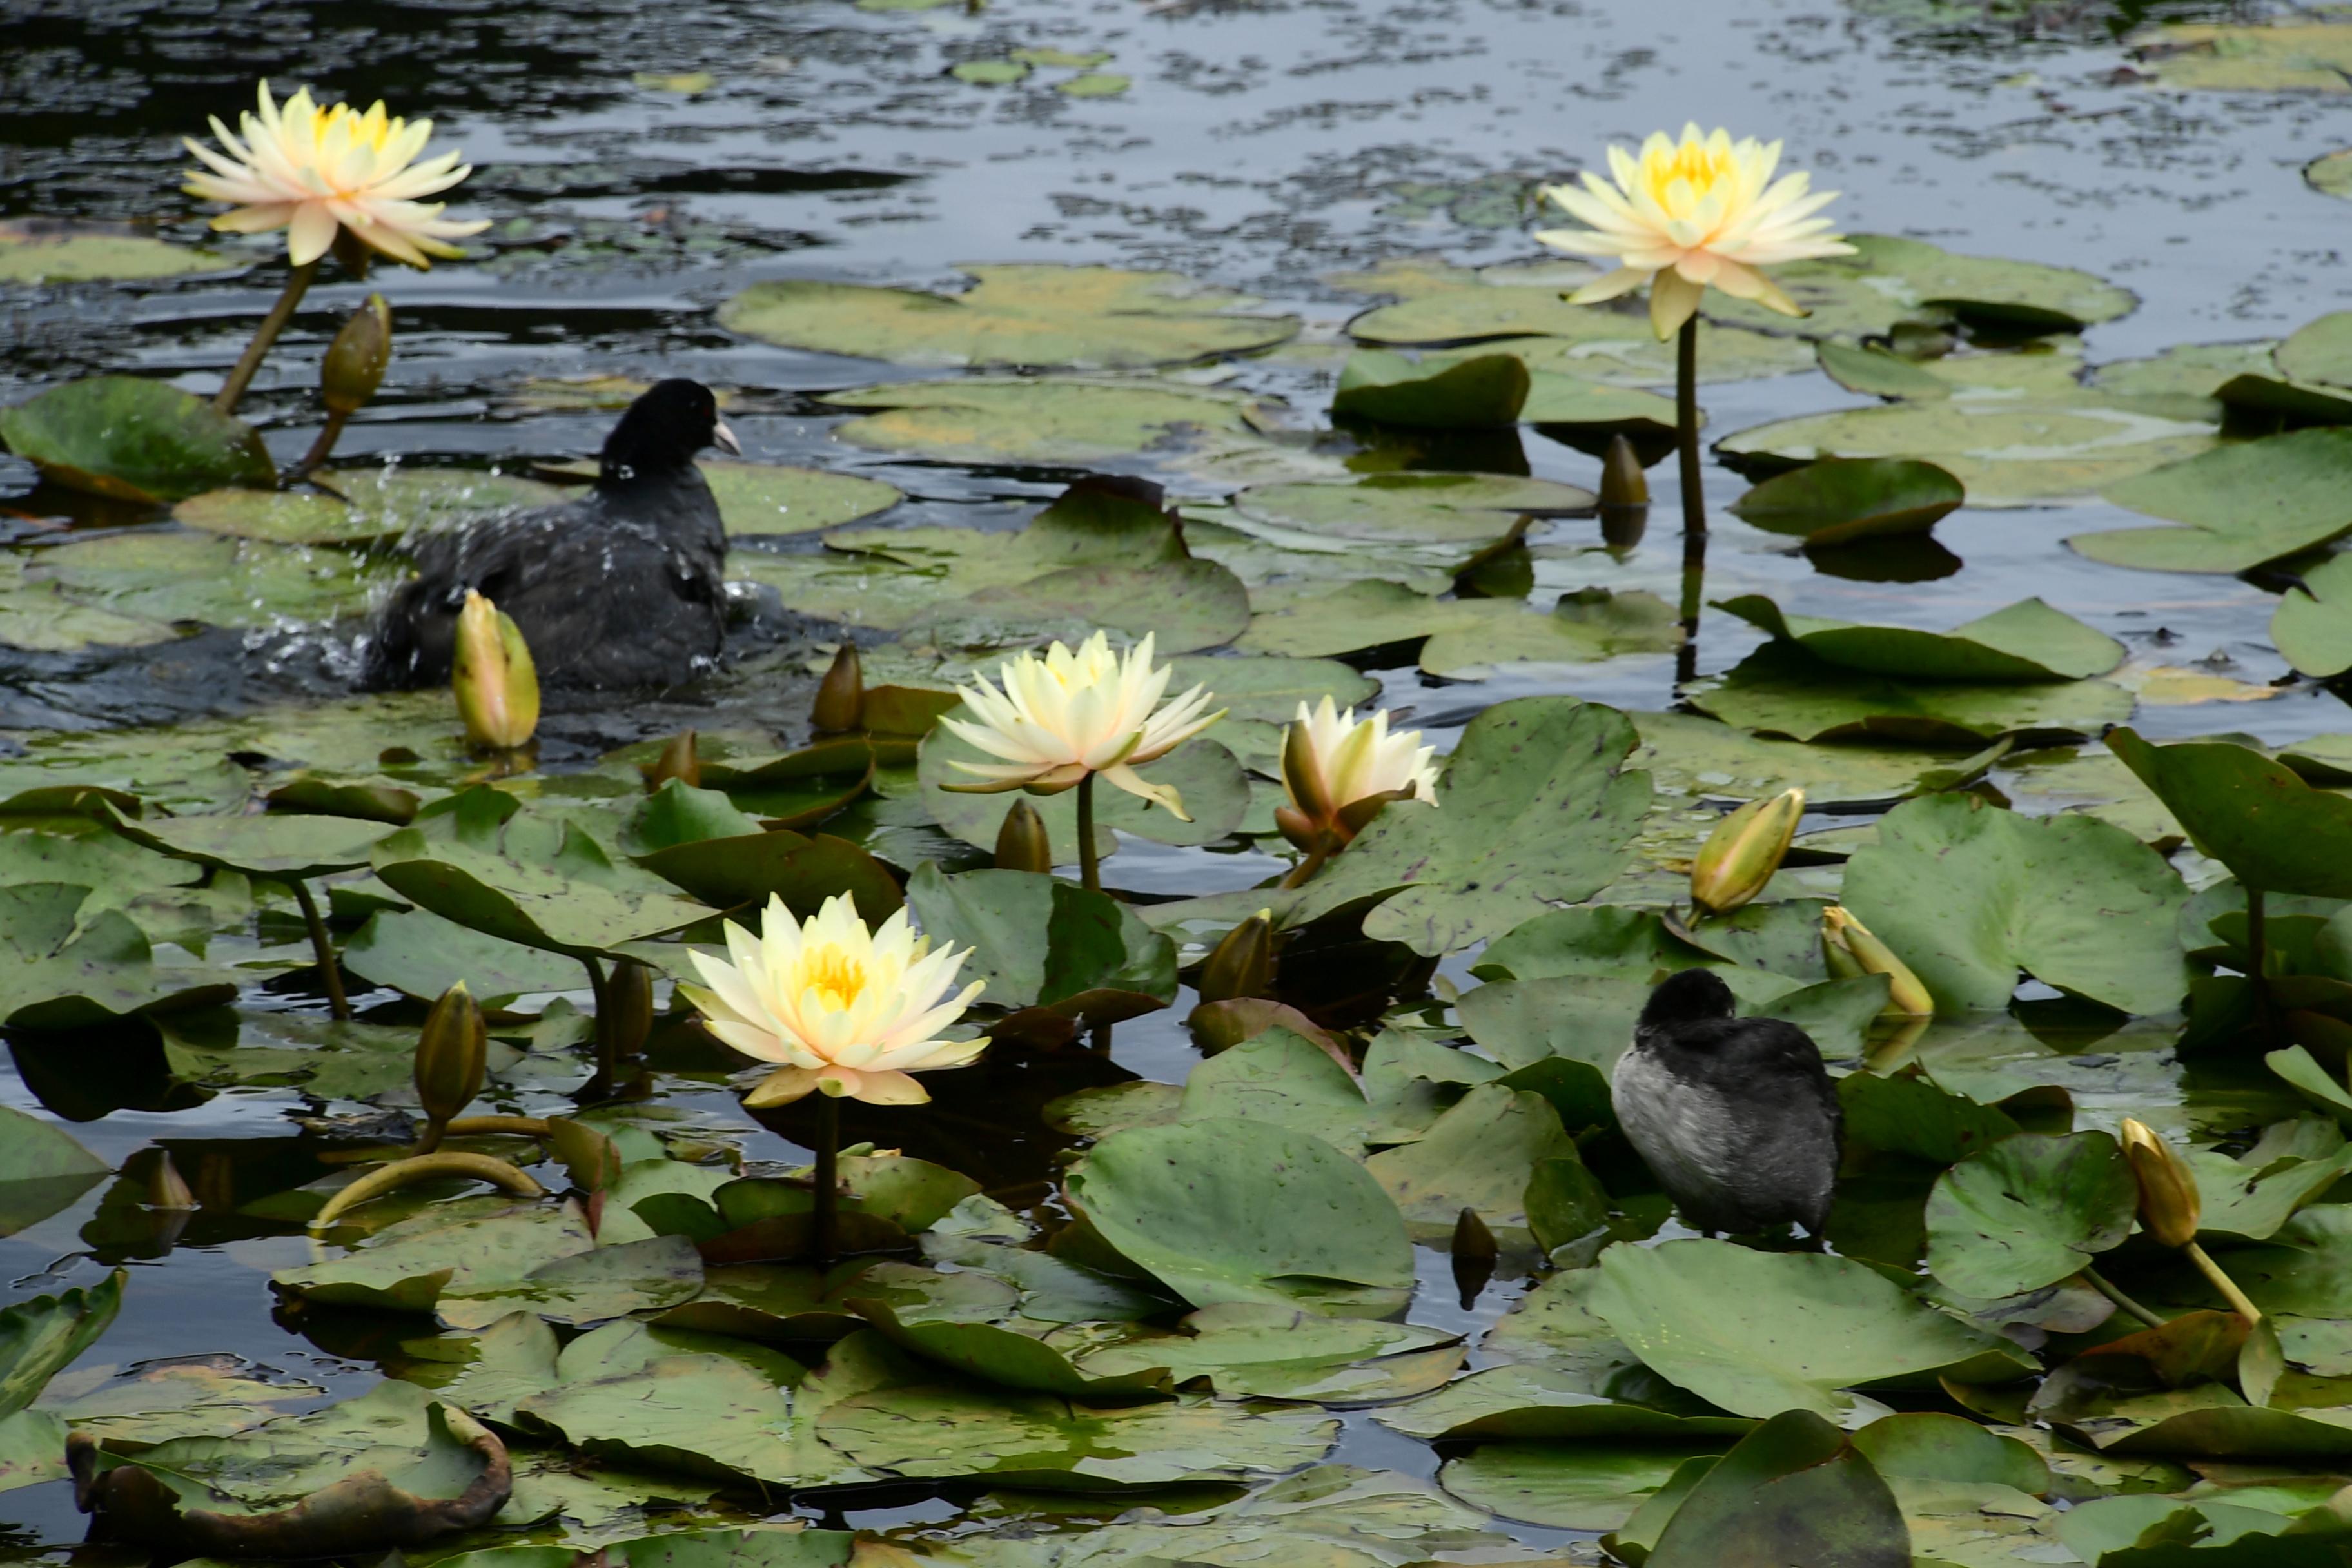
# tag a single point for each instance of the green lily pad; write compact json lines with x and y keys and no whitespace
{"x":2319,"y":350}
{"x":1413,"y":508}
{"x":74,"y":251}
{"x":2185,"y":370}
{"x":1282,"y":1078}
{"x":1249,"y":1350}
{"x":1796,"y":1490}
{"x":1565,"y":386}
{"x":2330,"y":175}
{"x":365,"y":505}
{"x":1038,"y":941}
{"x":42,"y":1170}
{"x":1518,"y":1402}
{"x":984,"y":419}
{"x":421,"y":955}
{"x":219,"y":1047}
{"x":1837,"y":501}
{"x":2004,"y":451}
{"x":242,"y":583}
{"x":79,"y":969}
{"x":37,"y":615}
{"x":2029,"y":1212}
{"x":472,"y":1244}
{"x":1481,"y":1155}
{"x":1888,"y":279}
{"x":2253,"y":1195}
{"x":1186,"y":606}
{"x":1095,"y":84}
{"x":1536,"y":807}
{"x":2038,"y":369}
{"x":1584,"y":627}
{"x":697,"y":1414}
{"x":1969,"y":895}
{"x":1482,"y":393}
{"x":132,"y":440}
{"x":768,"y":500}
{"x":2026,"y":641}
{"x":989,"y":73}
{"x":273,"y":845}
{"x":2243,"y":504}
{"x":2293,"y":56}
{"x":1782,"y":690}
{"x":2255,"y":815}
{"x":40,"y":1337}
{"x":582,"y":1288}
{"x":1759,"y":1333}
{"x":2313,"y":624}
{"x":1313,"y":619}
{"x":1037,"y":316}
{"x":1691,"y":755}
{"x":1563,"y":1486}
{"x":574,"y":902}
{"x":1204,"y":774}
{"x":1240,"y":1211}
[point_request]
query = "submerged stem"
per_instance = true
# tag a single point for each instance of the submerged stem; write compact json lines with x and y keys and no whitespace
{"x":232,"y":391}
{"x":1089,"y":863}
{"x":2099,"y":1282}
{"x":1694,"y":496}
{"x":826,"y":1181}
{"x":322,"y":949}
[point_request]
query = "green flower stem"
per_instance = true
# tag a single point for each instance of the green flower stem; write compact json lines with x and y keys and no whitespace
{"x":2224,"y":1283}
{"x":322,"y":949}
{"x":2099,"y":1282}
{"x":232,"y":391}
{"x":1305,"y":870}
{"x":320,"y":449}
{"x":1694,"y":496}
{"x":826,"y":1180}
{"x":1089,"y":863}
{"x":608,"y":1056}
{"x":2258,"y":967}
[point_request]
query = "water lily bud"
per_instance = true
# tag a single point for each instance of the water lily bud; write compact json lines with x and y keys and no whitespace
{"x":451,"y":1055}
{"x":1302,"y":774}
{"x":841,"y":695}
{"x":1850,"y":948}
{"x":1622,"y":480}
{"x":492,"y":674}
{"x":1022,"y":844}
{"x":1475,"y":1253}
{"x":2170,"y":1205}
{"x":1243,"y":964}
{"x":679,"y":759}
{"x":1746,"y":847}
{"x":166,"y":1188}
{"x":629,"y":999}
{"x":355,"y":359}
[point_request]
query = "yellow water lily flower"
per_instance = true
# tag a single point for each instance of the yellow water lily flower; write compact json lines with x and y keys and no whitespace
{"x":1338,"y":770}
{"x":846,"y":1011}
{"x":1066,"y":715}
{"x":310,"y":171}
{"x":1686,"y":214}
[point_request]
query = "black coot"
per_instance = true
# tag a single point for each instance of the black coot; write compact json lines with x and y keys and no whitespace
{"x":624,"y":587}
{"x":1735,"y":1117}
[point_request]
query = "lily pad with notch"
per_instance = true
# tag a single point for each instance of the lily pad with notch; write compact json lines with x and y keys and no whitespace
{"x":1780,"y":689}
{"x":2239,"y":506}
{"x":132,"y":440}
{"x":1836,"y":500}
{"x":1480,"y":392}
{"x":2027,"y":641}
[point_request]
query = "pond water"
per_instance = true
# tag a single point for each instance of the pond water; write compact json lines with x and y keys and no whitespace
{"x":644,"y":164}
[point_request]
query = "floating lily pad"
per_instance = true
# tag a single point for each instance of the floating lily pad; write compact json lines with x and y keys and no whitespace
{"x":1481,"y":1155}
{"x":365,"y":505}
{"x":989,"y":73}
{"x":1795,"y":1490}
{"x":1888,"y":279}
{"x":2026,"y":641}
{"x":1578,"y":1486}
{"x":274,"y":844}
{"x":134,"y":440}
{"x":768,"y":499}
{"x":1482,"y":393}
{"x":472,"y":1244}
{"x":2050,"y":366}
{"x":1536,"y":807}
{"x":2287,"y":56}
{"x":242,"y":583}
{"x":701,"y":1415}
{"x":2313,"y":624}
{"x":79,"y":969}
{"x":38,"y":615}
{"x":2029,"y":1212}
{"x":1095,"y":84}
{"x":1248,"y":1350}
{"x":1186,"y":606}
{"x":1589,"y":625}
{"x":2243,"y":504}
{"x":1969,"y":895}
{"x":1413,"y":508}
{"x":1204,"y":774}
{"x":1760,"y":1332}
{"x":2255,"y":815}
{"x":1240,"y":1211}
{"x":2186,"y":370}
{"x":1041,"y":316}
{"x":330,"y":1059}
{"x":42,"y":1170}
{"x":1042,"y":943}
{"x":1560,"y":389}
{"x":1690,"y":755}
{"x":2005,"y":452}
{"x":1782,"y":690}
{"x":74,"y":251}
{"x":578,"y":905}
{"x":1838,"y":501}
{"x":984,"y":419}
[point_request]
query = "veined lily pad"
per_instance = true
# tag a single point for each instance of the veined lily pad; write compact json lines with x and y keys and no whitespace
{"x":355,"y":506}
{"x":69,"y":251}
{"x":1782,"y":690}
{"x":1969,"y":895}
{"x":2330,"y":175}
{"x":1760,"y":1332}
{"x":2026,"y":641}
{"x":2313,"y":624}
{"x":1481,"y":1155}
{"x":472,"y":1244}
{"x":569,"y":899}
{"x":1565,"y":1485}
{"x":1043,"y":944}
{"x":1482,"y":393}
{"x":134,"y":440}
{"x":38,"y":615}
{"x":1564,"y":390}
{"x":1587,"y":625}
{"x":40,"y":1337}
{"x":1003,"y":419}
{"x":422,"y":954}
{"x":1085,"y":317}
{"x":77,"y":970}
{"x":1837,"y":501}
{"x":2004,"y":451}
{"x":1240,"y":1211}
{"x":1690,"y":755}
{"x":274,"y":844}
{"x":2029,"y":1212}
{"x":1186,"y":606}
{"x":243,"y":582}
{"x":1414,"y":507}
{"x":2243,"y":504}
{"x":1795,"y":1490}
{"x":2255,"y":815}
{"x":1247,"y":1350}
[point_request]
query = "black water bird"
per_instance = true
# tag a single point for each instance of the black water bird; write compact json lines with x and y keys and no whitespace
{"x":625,"y":586}
{"x":1735,"y":1117}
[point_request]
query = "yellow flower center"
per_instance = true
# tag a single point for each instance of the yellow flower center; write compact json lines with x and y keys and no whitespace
{"x":839,"y":975}
{"x":1693,"y":163}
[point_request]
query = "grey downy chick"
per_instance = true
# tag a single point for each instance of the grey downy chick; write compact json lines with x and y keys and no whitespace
{"x":1735,"y":1117}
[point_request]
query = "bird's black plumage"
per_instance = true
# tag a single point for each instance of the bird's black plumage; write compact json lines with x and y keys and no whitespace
{"x":625,"y":586}
{"x":1735,"y":1117}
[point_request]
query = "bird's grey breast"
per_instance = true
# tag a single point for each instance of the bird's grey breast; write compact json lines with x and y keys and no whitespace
{"x":1687,"y":1132}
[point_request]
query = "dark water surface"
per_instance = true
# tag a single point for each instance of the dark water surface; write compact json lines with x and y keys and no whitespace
{"x":1261,"y":146}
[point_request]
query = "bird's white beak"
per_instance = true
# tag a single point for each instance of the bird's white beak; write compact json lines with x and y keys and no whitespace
{"x":724,"y":438}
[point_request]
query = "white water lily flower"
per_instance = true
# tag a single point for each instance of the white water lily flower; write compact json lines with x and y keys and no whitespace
{"x":1332,"y":761}
{"x":844,"y":1010}
{"x":310,"y":171}
{"x":1684,"y":216}
{"x":1067,"y":714}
